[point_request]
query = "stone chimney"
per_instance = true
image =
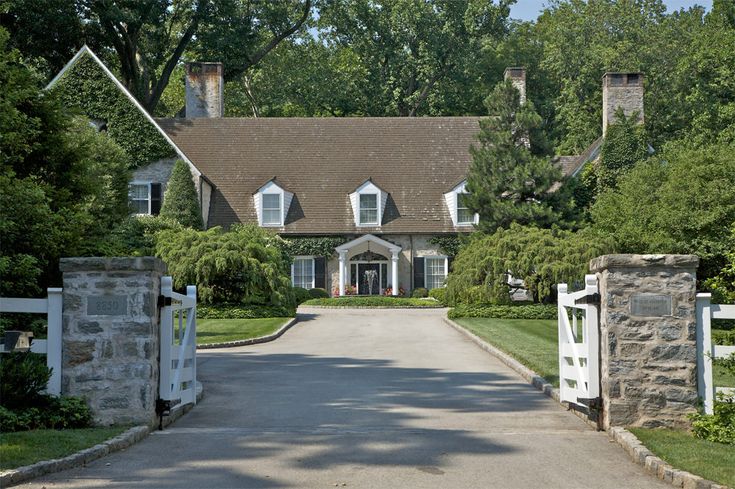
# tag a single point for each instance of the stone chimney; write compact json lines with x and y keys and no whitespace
{"x":204,"y":90}
{"x":621,"y":90}
{"x":517,"y":76}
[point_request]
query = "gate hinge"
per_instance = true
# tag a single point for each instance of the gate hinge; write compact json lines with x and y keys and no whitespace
{"x":589,"y":299}
{"x":163,"y":408}
{"x":163,"y":301}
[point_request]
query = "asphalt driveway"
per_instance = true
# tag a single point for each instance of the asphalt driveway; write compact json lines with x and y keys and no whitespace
{"x":366,"y":398}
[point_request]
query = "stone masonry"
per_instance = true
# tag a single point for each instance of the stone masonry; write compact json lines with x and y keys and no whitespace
{"x":111,"y":336}
{"x":648,"y":351}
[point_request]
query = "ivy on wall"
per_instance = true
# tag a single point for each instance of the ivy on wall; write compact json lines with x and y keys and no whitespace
{"x":313,"y":245}
{"x":449,"y":245}
{"x":86,"y":88}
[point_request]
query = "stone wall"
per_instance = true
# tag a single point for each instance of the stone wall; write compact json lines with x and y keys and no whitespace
{"x":111,"y":336}
{"x":156,"y":172}
{"x":648,"y":353}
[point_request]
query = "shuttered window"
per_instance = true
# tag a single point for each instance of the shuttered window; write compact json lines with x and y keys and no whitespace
{"x":436,"y":272}
{"x":145,"y":197}
{"x":302,"y":274}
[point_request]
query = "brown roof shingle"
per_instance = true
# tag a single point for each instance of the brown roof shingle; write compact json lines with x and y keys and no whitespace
{"x":322,"y":160}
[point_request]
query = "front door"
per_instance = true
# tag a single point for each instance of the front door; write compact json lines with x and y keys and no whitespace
{"x":368,"y":278}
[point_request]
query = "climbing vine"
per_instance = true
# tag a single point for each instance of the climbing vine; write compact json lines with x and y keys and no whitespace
{"x":313,"y":245}
{"x":86,"y":88}
{"x":449,"y":245}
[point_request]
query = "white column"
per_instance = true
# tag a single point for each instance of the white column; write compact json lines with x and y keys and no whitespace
{"x":394,"y":272}
{"x":342,"y":264}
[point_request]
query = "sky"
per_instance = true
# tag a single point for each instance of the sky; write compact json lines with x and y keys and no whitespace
{"x":529,"y":9}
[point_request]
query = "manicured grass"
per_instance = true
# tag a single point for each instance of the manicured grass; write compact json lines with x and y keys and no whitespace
{"x":373,"y":301}
{"x":713,"y":461}
{"x":221,"y":330}
{"x":28,"y":447}
{"x":533,"y":342}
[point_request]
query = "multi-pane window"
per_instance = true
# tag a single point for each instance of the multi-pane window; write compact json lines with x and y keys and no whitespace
{"x":464,"y":214}
{"x":436,"y":272}
{"x":369,"y":209}
{"x":139,"y":196}
{"x":272,"y":209}
{"x":303,"y":273}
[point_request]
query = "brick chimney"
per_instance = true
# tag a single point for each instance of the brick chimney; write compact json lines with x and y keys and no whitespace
{"x":517,"y":76}
{"x":204,"y":90}
{"x":621,"y":90}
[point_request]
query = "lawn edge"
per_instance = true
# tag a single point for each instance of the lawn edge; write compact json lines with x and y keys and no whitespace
{"x":127,"y":438}
{"x":635,"y":449}
{"x":251,"y":341}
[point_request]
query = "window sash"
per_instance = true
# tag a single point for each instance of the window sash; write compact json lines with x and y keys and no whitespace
{"x":368,"y":209}
{"x":435,"y":272}
{"x":464,"y":215}
{"x":271,"y":209}
{"x":303,"y":273}
{"x":139,"y":196}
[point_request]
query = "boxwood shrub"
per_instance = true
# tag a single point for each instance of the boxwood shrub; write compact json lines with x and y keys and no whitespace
{"x":535,"y":311}
{"x":243,"y":311}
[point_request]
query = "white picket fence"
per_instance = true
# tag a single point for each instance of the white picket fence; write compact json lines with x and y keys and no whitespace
{"x":579,"y":377}
{"x":707,"y":352}
{"x":178,"y":345}
{"x":51,"y":347}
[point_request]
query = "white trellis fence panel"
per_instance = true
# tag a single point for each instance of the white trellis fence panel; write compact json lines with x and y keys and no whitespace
{"x":579,"y":374}
{"x":707,"y":352}
{"x":178,"y":345}
{"x":51,"y":347}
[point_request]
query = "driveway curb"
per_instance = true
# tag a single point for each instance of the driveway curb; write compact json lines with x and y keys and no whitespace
{"x":637,"y":452}
{"x":251,"y":341}
{"x":83,"y":457}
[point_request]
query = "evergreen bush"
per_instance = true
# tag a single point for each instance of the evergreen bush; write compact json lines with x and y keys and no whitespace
{"x":440,"y":294}
{"x":301,"y":294}
{"x":419,"y":292}
{"x":318,"y":293}
{"x":181,"y":201}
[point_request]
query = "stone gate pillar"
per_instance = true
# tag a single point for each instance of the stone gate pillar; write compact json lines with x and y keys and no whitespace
{"x":648,"y":350}
{"x":110,"y":340}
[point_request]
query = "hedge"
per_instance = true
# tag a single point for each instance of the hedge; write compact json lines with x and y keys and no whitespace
{"x":240,"y":311}
{"x":535,"y":311}
{"x":373,"y":301}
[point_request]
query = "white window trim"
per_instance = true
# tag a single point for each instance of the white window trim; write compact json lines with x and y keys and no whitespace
{"x":456,"y":205}
{"x":313,"y":269}
{"x":280,"y":210}
{"x":426,"y":268}
{"x":452,"y":200}
{"x":377,"y":209}
{"x":148,"y":184}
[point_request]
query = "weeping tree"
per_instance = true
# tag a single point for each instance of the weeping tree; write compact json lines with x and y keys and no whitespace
{"x":181,"y":201}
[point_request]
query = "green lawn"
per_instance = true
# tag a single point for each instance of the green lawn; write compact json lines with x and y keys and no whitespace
{"x":373,"y":301}
{"x":713,"y":461}
{"x":28,"y":447}
{"x":221,"y":330}
{"x":533,"y":342}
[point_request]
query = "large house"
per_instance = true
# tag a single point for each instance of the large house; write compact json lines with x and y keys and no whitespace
{"x":386,"y":186}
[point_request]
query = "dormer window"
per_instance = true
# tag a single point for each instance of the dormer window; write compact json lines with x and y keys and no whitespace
{"x":368,"y":204}
{"x":458,"y":210}
{"x":369,"y":209}
{"x":271,"y":203}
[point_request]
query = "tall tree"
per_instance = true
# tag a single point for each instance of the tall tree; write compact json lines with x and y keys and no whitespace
{"x":506,"y":182}
{"x":181,"y":201}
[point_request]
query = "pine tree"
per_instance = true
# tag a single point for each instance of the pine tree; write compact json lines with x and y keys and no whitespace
{"x":507,"y":183}
{"x":181,"y":201}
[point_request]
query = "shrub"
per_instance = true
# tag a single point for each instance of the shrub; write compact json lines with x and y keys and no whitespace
{"x":244,"y":265}
{"x":181,"y":201}
{"x":372,"y":301}
{"x":318,"y":293}
{"x":301,"y":294}
{"x":242,"y":311}
{"x":439,"y":294}
{"x":135,"y":236}
{"x":23,"y":377}
{"x":57,"y":413}
{"x":419,"y":292}
{"x":723,"y":337}
{"x":535,"y":311}
{"x":719,"y":426}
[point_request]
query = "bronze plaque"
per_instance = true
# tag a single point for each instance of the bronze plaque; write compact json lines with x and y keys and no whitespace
{"x":650,"y":305}
{"x":107,"y":305}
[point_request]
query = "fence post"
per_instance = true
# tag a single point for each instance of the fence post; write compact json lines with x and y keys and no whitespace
{"x":705,"y":352}
{"x":592,"y":336}
{"x":53,"y":342}
{"x":166,"y":340}
{"x":191,"y":322}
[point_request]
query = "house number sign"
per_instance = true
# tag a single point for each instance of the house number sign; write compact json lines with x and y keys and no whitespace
{"x":107,"y":305}
{"x":650,"y":305}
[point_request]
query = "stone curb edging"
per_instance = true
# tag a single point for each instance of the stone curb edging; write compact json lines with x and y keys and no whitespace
{"x":120,"y":442}
{"x":655,"y":465}
{"x":627,"y":440}
{"x":251,"y":341}
{"x":80,"y":458}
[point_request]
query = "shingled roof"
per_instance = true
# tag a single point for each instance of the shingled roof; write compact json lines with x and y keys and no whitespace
{"x":323,"y":160}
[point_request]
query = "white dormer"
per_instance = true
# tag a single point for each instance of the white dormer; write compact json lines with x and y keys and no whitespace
{"x":368,"y":204}
{"x":461,"y":215}
{"x":271,"y":204}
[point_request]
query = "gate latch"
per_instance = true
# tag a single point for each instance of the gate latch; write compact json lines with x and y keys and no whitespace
{"x":163,"y":301}
{"x":589,"y":299}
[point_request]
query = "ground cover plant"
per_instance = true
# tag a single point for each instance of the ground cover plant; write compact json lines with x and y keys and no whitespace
{"x":711,"y":460}
{"x":526,"y":311}
{"x":373,"y":301}
{"x":222,"y":330}
{"x":243,"y":311}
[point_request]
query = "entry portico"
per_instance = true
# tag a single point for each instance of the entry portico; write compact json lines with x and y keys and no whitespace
{"x":362,"y":245}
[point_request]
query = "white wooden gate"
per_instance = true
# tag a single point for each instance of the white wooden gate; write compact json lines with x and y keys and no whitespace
{"x":707,"y":352}
{"x":178,"y":347}
{"x":579,"y":347}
